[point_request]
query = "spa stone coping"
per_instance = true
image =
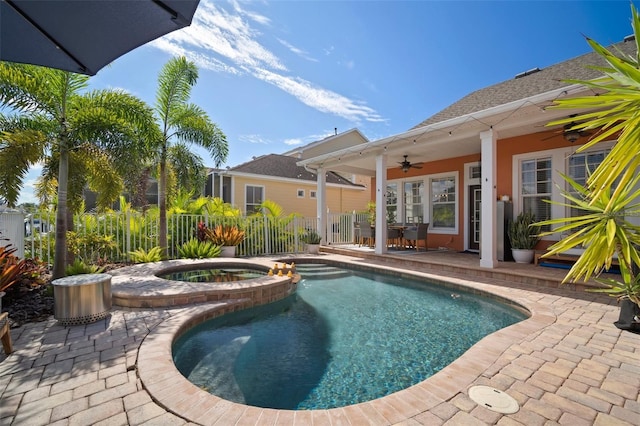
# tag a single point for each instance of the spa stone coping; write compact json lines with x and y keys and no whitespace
{"x":139,"y":286}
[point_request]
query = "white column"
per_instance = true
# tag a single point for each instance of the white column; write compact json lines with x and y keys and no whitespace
{"x":321,"y":204}
{"x":381,"y":204}
{"x":488,"y":240}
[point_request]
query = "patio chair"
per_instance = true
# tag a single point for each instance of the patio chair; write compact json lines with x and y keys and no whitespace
{"x":367,"y":233}
{"x":416,"y":233}
{"x":394,"y":235}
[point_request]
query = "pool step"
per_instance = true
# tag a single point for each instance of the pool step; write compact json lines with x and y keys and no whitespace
{"x":320,"y":272}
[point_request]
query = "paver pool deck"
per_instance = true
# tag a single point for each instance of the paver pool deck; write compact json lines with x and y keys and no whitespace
{"x":567,"y":364}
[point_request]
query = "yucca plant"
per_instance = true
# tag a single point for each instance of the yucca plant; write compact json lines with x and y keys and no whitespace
{"x":142,"y":256}
{"x":613,"y":110}
{"x":602,"y":231}
{"x":194,"y":249}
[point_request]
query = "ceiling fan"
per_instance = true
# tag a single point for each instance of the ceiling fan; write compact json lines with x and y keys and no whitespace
{"x":568,"y":133}
{"x":406,"y":164}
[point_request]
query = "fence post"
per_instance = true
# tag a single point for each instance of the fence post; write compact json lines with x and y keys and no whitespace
{"x":127,"y":233}
{"x":267,"y":240}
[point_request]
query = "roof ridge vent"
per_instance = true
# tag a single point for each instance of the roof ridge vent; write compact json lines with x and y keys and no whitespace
{"x":528,"y":72}
{"x":630,"y":37}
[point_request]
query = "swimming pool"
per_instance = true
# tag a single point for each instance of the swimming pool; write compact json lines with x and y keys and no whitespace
{"x":344,"y":337}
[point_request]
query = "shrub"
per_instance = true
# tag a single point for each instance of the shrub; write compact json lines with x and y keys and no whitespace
{"x":223,"y":235}
{"x":10,"y":267}
{"x":79,"y":267}
{"x":311,"y":237}
{"x":523,"y":232}
{"x":194,"y":249}
{"x":91,"y":246}
{"x":143,"y":256}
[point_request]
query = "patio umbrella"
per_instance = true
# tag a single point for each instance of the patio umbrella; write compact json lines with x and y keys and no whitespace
{"x":84,"y":36}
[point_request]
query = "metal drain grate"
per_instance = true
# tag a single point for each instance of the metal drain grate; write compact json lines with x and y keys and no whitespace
{"x":493,"y":399}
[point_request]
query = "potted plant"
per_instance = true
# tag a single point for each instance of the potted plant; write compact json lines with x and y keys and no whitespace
{"x":312,"y":239}
{"x":523,"y":235}
{"x":227,"y":237}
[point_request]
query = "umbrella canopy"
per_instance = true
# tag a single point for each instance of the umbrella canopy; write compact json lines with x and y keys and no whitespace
{"x":84,"y":36}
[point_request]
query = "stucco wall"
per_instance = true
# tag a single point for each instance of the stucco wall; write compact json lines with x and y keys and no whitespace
{"x":339,"y":199}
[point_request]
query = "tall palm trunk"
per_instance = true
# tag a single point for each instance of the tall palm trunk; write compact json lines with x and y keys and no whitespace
{"x":60,"y":254}
{"x":162,"y":202}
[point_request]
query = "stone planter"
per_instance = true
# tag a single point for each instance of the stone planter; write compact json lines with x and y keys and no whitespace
{"x":228,"y":251}
{"x":523,"y":255}
{"x":313,"y":248}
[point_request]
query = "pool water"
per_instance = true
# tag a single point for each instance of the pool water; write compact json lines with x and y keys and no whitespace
{"x":213,"y":275}
{"x":345,"y":337}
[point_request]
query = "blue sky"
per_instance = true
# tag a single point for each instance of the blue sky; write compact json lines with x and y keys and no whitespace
{"x":276,"y":74}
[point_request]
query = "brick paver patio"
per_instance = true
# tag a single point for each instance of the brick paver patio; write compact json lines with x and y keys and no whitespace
{"x":567,"y":364}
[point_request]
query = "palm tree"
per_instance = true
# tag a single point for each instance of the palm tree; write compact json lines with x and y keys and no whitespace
{"x":55,"y":120}
{"x":610,"y":194}
{"x":184,"y":122}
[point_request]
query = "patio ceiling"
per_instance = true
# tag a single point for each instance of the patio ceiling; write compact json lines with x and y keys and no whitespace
{"x":449,"y":139}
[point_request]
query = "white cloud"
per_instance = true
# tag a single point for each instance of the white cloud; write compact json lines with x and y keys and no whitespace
{"x":224,"y":41}
{"x":303,"y":54}
{"x":319,"y":98}
{"x":293,"y":142}
{"x":255,"y":139}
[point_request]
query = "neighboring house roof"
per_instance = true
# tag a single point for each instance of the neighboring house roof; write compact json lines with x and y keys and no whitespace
{"x":351,"y":137}
{"x":529,"y":84}
{"x":284,"y":166}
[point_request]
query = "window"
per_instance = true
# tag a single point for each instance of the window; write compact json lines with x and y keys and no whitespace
{"x":580,"y":166}
{"x":254,"y":195}
{"x":536,"y":187}
{"x":312,"y":194}
{"x":443,"y":202}
{"x":300,"y":193}
{"x":475,"y":172}
{"x":392,"y":203}
{"x":413,"y":211}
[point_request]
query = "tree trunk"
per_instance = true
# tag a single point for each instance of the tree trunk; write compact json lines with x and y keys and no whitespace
{"x":60,"y":254}
{"x":162,"y":202}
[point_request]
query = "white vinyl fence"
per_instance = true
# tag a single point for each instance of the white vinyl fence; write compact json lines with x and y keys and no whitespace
{"x":113,"y":236}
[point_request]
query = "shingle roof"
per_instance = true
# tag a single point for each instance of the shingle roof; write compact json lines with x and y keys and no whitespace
{"x":284,"y":166}
{"x":545,"y":80}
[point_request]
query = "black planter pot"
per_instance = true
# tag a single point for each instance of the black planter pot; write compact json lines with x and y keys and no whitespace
{"x":629,"y":316}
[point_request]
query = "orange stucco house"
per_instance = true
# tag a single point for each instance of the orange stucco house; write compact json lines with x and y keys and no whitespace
{"x":492,"y":144}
